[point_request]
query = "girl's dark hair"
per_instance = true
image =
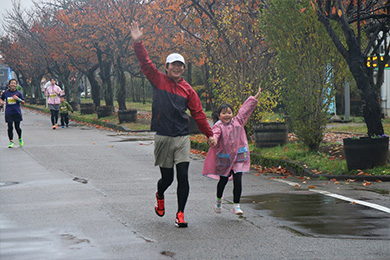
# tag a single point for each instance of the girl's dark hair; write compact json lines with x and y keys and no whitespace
{"x":216,"y":113}
{"x":9,"y":82}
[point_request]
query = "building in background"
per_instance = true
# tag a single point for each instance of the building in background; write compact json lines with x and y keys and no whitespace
{"x":5,"y":73}
{"x":385,"y":94}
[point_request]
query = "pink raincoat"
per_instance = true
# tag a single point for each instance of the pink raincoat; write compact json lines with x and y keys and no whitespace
{"x":231,"y":152}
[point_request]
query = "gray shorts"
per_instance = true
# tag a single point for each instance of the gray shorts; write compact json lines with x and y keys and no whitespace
{"x":169,"y":150}
{"x":55,"y":107}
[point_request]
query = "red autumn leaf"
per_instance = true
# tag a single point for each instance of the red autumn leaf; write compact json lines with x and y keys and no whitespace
{"x":303,"y":9}
{"x":312,"y":186}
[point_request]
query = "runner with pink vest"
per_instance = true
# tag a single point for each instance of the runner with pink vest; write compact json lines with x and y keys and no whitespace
{"x":230,"y":157}
{"x":53,"y":92}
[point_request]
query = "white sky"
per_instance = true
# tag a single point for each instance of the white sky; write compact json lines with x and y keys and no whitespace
{"x":7,"y":5}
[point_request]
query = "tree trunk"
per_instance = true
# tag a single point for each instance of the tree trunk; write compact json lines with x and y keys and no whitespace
{"x":189,"y":73}
{"x":357,"y":65}
{"x":121,"y":97}
{"x":95,"y":88}
{"x":366,"y":86}
{"x":209,"y":104}
{"x":143,"y":90}
{"x":132,"y":88}
{"x":105,"y":74}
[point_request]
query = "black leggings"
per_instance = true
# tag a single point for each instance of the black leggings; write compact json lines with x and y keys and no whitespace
{"x":183,"y":186}
{"x":11,"y":130}
{"x":54,"y":116}
{"x":237,"y":186}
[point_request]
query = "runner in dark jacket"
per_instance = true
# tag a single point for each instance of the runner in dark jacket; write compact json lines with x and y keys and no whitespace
{"x":171,"y":98}
{"x":13,"y":114}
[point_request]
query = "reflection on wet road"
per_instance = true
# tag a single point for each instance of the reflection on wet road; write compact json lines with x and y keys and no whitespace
{"x":25,"y":244}
{"x":319,"y":215}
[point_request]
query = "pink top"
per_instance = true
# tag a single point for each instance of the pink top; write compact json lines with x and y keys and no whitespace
{"x":53,"y":97}
{"x":231,"y":152}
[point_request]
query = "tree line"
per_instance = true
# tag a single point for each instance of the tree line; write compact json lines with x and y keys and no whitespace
{"x":233,"y":45}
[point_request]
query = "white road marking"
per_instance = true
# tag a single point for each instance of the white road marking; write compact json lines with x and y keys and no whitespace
{"x":353,"y":201}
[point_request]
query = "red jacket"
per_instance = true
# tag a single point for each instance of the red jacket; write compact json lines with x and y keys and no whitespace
{"x":171,"y":100}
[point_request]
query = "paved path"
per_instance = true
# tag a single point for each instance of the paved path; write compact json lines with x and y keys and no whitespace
{"x":85,"y":193}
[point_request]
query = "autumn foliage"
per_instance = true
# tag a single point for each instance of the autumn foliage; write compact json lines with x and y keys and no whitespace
{"x":74,"y":38}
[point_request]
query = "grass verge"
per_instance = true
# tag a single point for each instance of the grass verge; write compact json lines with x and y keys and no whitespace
{"x":299,"y":161}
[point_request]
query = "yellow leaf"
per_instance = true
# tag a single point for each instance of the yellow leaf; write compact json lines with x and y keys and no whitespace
{"x":339,"y":12}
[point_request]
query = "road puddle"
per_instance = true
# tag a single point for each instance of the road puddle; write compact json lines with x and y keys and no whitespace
{"x":320,"y":215}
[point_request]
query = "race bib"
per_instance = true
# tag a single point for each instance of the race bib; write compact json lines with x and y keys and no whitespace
{"x":11,"y":101}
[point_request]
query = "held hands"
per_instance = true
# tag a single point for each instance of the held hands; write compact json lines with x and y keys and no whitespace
{"x":211,"y":141}
{"x":136,"y":32}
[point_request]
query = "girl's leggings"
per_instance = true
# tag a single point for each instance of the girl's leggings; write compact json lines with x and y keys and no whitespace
{"x":183,"y":187}
{"x":237,"y":186}
{"x":54,"y":116}
{"x":11,"y":130}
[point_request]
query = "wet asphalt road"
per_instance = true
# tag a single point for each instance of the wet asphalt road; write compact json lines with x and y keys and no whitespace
{"x":87,"y":193}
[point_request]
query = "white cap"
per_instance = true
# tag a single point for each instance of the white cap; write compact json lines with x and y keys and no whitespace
{"x":175,"y":57}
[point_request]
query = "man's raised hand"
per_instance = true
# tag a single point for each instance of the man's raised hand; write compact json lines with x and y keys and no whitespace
{"x":136,"y":32}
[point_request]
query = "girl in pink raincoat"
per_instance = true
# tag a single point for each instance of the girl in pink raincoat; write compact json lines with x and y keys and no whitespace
{"x":229,"y":158}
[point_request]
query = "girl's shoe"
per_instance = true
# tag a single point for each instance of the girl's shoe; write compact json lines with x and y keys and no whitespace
{"x":11,"y":144}
{"x":21,"y":143}
{"x":218,"y":206}
{"x":237,"y":210}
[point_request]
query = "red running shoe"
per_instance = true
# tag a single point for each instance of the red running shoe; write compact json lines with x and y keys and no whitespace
{"x":179,"y":221}
{"x":159,"y":207}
